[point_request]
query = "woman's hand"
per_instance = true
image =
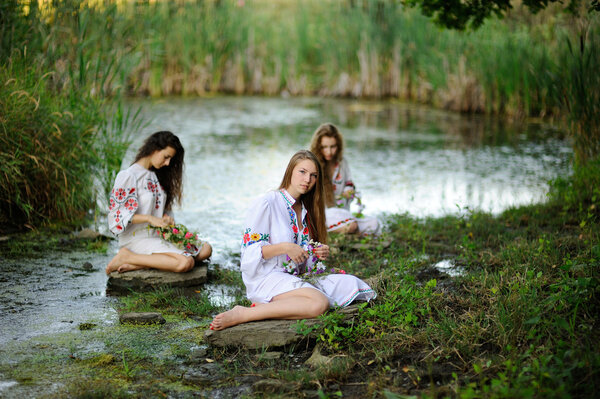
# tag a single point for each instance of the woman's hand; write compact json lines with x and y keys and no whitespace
{"x":157,"y":222}
{"x":348,"y":194}
{"x":296,"y":253}
{"x":322,"y":251}
{"x":168,"y":220}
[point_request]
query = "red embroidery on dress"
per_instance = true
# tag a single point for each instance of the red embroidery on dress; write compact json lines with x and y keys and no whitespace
{"x":339,"y":223}
{"x":122,"y":197}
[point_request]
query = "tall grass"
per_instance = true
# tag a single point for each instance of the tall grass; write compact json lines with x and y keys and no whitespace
{"x":378,"y":49}
{"x":46,"y":146}
{"x":61,"y":142}
{"x":581,"y":92}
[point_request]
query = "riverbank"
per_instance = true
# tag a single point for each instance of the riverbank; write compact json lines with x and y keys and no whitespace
{"x":468,"y":306}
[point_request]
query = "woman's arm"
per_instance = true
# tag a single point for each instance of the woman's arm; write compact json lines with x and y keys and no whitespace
{"x":165,"y":221}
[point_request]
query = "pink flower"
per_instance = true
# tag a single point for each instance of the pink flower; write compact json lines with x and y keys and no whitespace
{"x":188,"y":235}
{"x":175,"y":231}
{"x":342,"y":271}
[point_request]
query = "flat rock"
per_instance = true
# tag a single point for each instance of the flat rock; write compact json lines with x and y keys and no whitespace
{"x":147,"y":279}
{"x":142,"y":318}
{"x":265,"y":333}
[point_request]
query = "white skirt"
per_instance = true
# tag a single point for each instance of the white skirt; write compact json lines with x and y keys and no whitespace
{"x":339,"y":217}
{"x":156,"y":245}
{"x":340,"y":289}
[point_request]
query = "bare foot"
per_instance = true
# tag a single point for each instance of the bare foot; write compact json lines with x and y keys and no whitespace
{"x":230,"y":318}
{"x":127,"y":267}
{"x":118,"y":260}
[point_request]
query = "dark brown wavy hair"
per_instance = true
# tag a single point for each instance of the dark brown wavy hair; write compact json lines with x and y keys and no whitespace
{"x":170,"y":177}
{"x":327,"y":130}
{"x":313,"y":200}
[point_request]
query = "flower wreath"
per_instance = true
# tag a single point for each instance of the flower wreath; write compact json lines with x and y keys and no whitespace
{"x":180,"y":236}
{"x":355,"y":195}
{"x":313,"y":268}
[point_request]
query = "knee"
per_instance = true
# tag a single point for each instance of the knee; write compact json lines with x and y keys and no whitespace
{"x":352,"y":227}
{"x":205,"y":252}
{"x":185,"y":264}
{"x":319,"y":306}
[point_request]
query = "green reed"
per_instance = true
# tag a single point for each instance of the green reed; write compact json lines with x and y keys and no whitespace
{"x":61,"y":140}
{"x":378,"y":49}
{"x":46,"y":147}
{"x":332,"y":48}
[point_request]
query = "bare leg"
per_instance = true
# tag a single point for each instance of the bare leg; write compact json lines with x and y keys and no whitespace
{"x":301,"y":303}
{"x":163,"y":261}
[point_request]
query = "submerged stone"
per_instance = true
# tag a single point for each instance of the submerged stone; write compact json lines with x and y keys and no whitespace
{"x":265,"y":333}
{"x":142,"y":318}
{"x":87,"y":326}
{"x":148,"y":279}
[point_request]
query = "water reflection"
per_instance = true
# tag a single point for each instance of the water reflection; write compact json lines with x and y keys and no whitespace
{"x":404,"y":158}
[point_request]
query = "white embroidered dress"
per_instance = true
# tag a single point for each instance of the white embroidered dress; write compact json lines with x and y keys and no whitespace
{"x":137,"y":190}
{"x":271,"y":220}
{"x":337,"y":217}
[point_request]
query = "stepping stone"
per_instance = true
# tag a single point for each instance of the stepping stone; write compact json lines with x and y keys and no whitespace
{"x":265,"y":333}
{"x":148,"y":279}
{"x":142,"y":318}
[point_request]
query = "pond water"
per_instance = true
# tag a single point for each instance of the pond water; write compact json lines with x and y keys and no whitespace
{"x":404,"y":158}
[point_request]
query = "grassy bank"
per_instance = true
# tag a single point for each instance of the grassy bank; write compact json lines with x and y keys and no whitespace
{"x":520,"y":320}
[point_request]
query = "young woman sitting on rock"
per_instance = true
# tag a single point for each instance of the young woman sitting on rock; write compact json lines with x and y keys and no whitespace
{"x":142,"y":196}
{"x":278,"y":244}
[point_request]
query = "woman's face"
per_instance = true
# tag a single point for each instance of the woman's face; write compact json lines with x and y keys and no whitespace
{"x":161,"y":158}
{"x":304,"y":177}
{"x":328,"y":147}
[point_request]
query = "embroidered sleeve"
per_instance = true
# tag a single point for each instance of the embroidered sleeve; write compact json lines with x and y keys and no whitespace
{"x":348,"y":183}
{"x":256,"y":235}
{"x":123,"y":202}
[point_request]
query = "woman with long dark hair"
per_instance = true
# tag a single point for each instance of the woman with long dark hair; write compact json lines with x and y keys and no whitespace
{"x":143,"y":196}
{"x":279,"y":228}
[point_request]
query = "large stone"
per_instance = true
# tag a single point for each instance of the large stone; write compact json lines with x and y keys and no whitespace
{"x":142,"y":318}
{"x":265,"y":333}
{"x":147,"y":279}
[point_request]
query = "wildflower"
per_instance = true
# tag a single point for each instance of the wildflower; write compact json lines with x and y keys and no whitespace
{"x":180,"y":236}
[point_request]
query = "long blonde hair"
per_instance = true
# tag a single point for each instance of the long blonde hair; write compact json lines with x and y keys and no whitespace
{"x":313,"y":200}
{"x":327,"y":130}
